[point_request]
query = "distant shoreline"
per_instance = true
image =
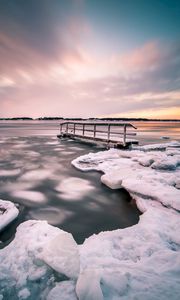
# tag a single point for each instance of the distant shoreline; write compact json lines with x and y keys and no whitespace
{"x":86,"y":119}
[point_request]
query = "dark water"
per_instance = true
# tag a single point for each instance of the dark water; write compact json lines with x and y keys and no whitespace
{"x":36,"y":173}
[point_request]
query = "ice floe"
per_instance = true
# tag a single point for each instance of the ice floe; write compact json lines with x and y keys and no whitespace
{"x":9,"y":173}
{"x":142,"y":261}
{"x":150,"y":172}
{"x":25,"y":264}
{"x":8,"y":212}
{"x":36,"y":175}
{"x":52,"y":215}
{"x":74,"y":188}
{"x":32,"y":196}
{"x":162,"y":146}
{"x":139,"y":262}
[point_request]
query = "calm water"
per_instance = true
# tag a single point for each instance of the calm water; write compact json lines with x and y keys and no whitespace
{"x":147,"y":132}
{"x":36,"y":172}
{"x":153,"y":132}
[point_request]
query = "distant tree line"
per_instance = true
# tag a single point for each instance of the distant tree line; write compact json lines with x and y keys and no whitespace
{"x":86,"y":119}
{"x":16,"y":119}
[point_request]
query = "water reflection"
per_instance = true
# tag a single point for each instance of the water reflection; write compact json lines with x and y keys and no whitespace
{"x":153,"y":132}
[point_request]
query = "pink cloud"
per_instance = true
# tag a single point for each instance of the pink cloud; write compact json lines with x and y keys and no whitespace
{"x":145,"y":57}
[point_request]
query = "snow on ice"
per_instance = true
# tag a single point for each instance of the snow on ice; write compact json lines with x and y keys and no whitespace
{"x":62,"y":255}
{"x":138,"y":262}
{"x":8,"y":212}
{"x":150,"y":172}
{"x":25,"y":264}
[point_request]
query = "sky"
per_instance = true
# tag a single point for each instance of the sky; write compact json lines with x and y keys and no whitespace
{"x":90,"y":58}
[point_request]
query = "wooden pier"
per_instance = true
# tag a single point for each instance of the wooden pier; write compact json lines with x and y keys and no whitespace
{"x":110,"y":133}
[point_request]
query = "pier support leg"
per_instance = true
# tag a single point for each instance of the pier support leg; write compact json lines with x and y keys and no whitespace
{"x":109,"y":132}
{"x":94,"y":131}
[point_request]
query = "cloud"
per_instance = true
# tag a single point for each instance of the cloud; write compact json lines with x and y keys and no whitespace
{"x":46,"y":69}
{"x":36,"y":34}
{"x":146,"y":57}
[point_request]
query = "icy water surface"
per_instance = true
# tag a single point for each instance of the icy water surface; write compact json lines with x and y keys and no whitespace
{"x":36,"y":172}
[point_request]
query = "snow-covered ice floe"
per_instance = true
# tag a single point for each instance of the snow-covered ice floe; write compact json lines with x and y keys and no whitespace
{"x":139,"y":262}
{"x":39,"y":256}
{"x":149,"y":173}
{"x":142,"y":261}
{"x":8,"y":212}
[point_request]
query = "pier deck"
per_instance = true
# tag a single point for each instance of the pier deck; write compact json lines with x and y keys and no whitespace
{"x":110,"y":133}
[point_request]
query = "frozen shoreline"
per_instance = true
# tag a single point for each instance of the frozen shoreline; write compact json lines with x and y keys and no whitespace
{"x":139,"y":262}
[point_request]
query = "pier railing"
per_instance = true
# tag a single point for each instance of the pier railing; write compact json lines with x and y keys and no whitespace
{"x":114,"y":132}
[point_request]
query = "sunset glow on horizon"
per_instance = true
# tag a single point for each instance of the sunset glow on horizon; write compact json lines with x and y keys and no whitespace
{"x":87,"y":58}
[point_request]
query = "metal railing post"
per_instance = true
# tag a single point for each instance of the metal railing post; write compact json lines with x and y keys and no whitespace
{"x":74,"y":128}
{"x":124,"y":136}
{"x":83,"y":129}
{"x":67,"y":127}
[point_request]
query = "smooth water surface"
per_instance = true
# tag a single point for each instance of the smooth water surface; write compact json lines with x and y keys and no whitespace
{"x":36,"y":172}
{"x":157,"y":132}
